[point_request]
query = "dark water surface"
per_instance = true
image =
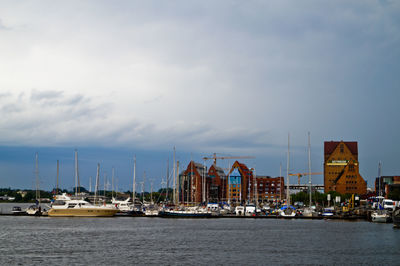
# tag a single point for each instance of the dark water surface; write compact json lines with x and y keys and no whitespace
{"x":141,"y":240}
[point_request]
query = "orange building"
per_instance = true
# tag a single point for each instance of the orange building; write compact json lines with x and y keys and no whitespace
{"x":341,"y":168}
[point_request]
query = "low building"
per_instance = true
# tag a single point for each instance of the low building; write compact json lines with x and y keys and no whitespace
{"x":386,"y":184}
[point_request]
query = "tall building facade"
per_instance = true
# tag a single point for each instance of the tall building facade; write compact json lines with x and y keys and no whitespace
{"x":341,"y":168}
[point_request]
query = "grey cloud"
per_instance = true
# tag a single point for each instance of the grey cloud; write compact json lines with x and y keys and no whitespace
{"x":74,"y":100}
{"x":11,"y":108}
{"x":47,"y":95}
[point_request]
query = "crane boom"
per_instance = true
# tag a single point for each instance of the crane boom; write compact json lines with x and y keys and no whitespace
{"x":215,"y":157}
{"x":299,"y":175}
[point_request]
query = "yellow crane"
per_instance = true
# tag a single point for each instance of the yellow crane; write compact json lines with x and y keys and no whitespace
{"x":299,"y":175}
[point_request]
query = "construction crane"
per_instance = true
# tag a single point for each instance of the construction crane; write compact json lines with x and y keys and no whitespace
{"x":299,"y":175}
{"x":215,"y":157}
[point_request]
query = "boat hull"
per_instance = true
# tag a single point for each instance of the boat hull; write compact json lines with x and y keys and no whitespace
{"x":380,"y":217}
{"x":86,"y":212}
{"x":178,"y":214}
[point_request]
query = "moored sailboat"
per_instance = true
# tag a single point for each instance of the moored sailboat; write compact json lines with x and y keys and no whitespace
{"x":380,"y":215}
{"x":287,"y":210}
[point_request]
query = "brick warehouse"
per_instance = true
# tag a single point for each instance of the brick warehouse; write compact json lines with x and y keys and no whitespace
{"x":216,"y":184}
{"x":341,"y":168}
{"x":191,"y":183}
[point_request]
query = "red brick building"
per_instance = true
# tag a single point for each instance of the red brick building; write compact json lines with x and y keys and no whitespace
{"x":191,"y":183}
{"x":216,"y":184}
{"x":270,"y":188}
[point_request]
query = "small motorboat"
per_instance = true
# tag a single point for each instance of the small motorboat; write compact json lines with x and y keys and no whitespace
{"x":34,"y":210}
{"x":16,"y":210}
{"x":328,"y":212}
{"x":380,"y":216}
{"x":286,"y":211}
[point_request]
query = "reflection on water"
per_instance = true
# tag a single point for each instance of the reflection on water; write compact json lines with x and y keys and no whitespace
{"x":127,"y":240}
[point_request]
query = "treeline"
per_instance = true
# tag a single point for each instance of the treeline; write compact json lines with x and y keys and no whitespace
{"x":30,"y":195}
{"x":318,"y":197}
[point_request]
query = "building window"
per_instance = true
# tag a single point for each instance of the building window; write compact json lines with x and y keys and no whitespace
{"x":341,"y":148}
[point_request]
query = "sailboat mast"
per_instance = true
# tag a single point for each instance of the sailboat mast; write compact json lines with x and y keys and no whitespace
{"x":112,"y":183}
{"x":134,"y":180}
{"x":76,"y":172}
{"x":97,"y":183}
{"x":280,"y":185}
{"x":177,"y":182}
{"x":379,"y":179}
{"x":58,"y":172}
{"x":151,"y":191}
{"x":105,"y":180}
{"x":229,"y":183}
{"x":37,"y":177}
{"x":174,"y":180}
{"x":144,"y":180}
{"x":309,"y":169}
{"x":166,"y":193}
{"x":287,"y":174}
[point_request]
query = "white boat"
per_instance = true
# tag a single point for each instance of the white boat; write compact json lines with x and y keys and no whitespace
{"x":33,"y":210}
{"x":16,"y":210}
{"x":380,"y":216}
{"x":239,"y":210}
{"x":151,"y":212}
{"x":287,"y":212}
{"x":308,"y":212}
{"x":123,"y":206}
{"x":328,"y":212}
{"x":65,"y":206}
{"x":187,"y":212}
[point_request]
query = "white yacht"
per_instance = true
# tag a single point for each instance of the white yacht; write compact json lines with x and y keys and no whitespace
{"x":123,"y":206}
{"x":65,"y":206}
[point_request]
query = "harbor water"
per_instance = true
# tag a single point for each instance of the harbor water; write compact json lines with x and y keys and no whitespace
{"x":141,"y":240}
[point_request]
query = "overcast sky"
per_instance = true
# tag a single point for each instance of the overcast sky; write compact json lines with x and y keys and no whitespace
{"x":119,"y":78}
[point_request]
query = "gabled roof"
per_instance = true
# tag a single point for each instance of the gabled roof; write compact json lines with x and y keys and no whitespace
{"x":197,"y":168}
{"x":242,"y":169}
{"x":330,"y":146}
{"x":217,"y":170}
